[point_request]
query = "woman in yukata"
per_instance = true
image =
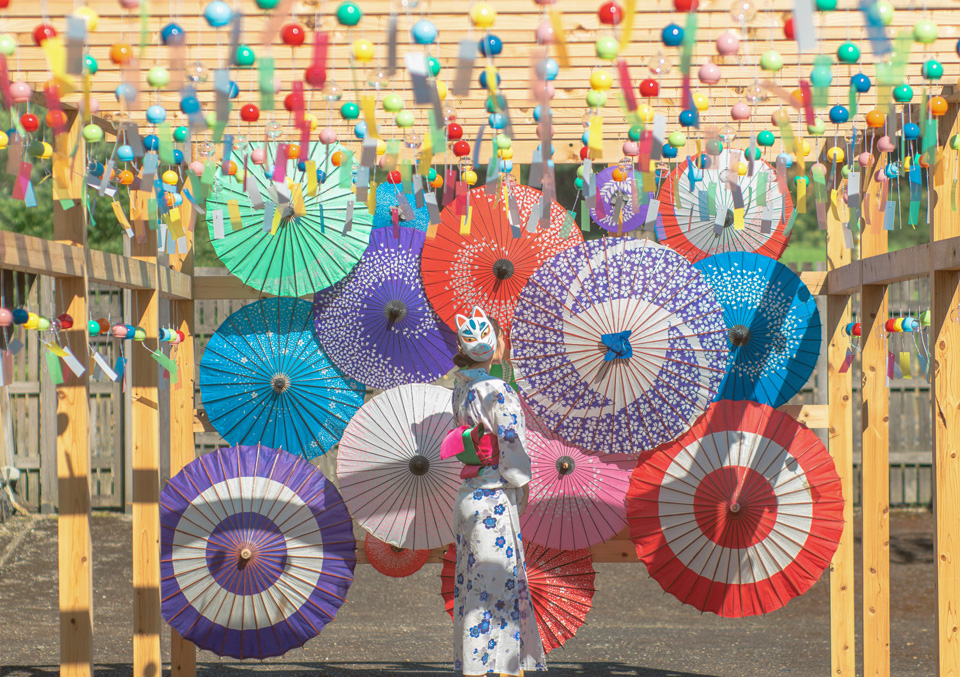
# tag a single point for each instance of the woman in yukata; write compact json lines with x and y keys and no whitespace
{"x":495,"y":630}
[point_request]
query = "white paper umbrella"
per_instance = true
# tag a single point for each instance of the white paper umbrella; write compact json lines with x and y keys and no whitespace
{"x":391,"y":475}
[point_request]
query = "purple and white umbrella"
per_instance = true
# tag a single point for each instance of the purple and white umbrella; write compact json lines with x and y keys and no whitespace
{"x":615,"y":203}
{"x":377,"y":324}
{"x":618,"y":345}
{"x":256,"y":552}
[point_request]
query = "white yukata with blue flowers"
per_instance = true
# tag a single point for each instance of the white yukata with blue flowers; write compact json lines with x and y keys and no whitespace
{"x":495,"y":629}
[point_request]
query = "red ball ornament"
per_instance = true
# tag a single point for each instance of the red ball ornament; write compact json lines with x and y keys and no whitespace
{"x":293,"y":35}
{"x":649,"y":88}
{"x":890,"y":325}
{"x":66,"y":321}
{"x":454,"y":131}
{"x":461,"y":149}
{"x":42,"y":32}
{"x":584,"y":153}
{"x":686,"y":5}
{"x":181,"y":335}
{"x":249,"y":113}
{"x":394,"y":176}
{"x":315,"y":76}
{"x":30,"y":122}
{"x":610,"y":13}
{"x":289,"y":102}
{"x":4,"y":4}
{"x":56,"y":119}
{"x":788,"y":28}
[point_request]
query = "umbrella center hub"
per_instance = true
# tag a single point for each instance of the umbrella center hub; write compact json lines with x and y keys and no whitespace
{"x":617,"y":346}
{"x":419,"y":465}
{"x":565,"y":465}
{"x":503,"y":269}
{"x":280,"y":383}
{"x":395,"y":310}
{"x":735,"y":507}
{"x":246,"y":553}
{"x":728,"y":219}
{"x":739,"y":335}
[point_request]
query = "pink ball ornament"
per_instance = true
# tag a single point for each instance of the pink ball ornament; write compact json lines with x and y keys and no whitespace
{"x":258,"y":156}
{"x":6,"y":317}
{"x":543,"y":89}
{"x":277,"y":85}
{"x":740,"y":111}
{"x":728,"y":44}
{"x":819,"y":166}
{"x":545,"y":35}
{"x":886,"y":145}
{"x":630,"y":148}
{"x":864,"y":159}
{"x":196,"y":167}
{"x":94,"y":106}
{"x":709,"y":73}
{"x":129,"y":4}
{"x":20,"y":92}
{"x":328,"y":135}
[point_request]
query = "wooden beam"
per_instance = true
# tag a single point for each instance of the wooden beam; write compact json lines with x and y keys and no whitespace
{"x":74,"y":543}
{"x":30,"y":254}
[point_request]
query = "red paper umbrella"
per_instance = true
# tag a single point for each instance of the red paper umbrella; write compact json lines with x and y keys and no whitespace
{"x":740,"y":514}
{"x":561,"y":588}
{"x":488,"y":264}
{"x":712,"y":214}
{"x":390,"y":560}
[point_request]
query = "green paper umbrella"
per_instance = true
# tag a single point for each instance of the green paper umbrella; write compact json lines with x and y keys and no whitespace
{"x":277,"y":247}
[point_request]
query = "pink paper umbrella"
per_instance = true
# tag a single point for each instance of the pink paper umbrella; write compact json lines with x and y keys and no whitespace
{"x":576,"y":499}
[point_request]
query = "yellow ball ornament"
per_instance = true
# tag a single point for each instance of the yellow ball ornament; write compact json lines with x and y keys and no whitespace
{"x":32,"y":321}
{"x":645,"y":112}
{"x":381,"y":146}
{"x":4,"y":140}
{"x":803,"y":148}
{"x":362,"y":50}
{"x":836,"y":154}
{"x":441,"y":89}
{"x":170,"y":177}
{"x":483,"y":15}
{"x":742,"y":169}
{"x":90,"y":16}
{"x":309,"y":117}
{"x":700,"y":101}
{"x":469,"y":177}
{"x":47,"y":151}
{"x":600,"y":80}
{"x":505,"y":153}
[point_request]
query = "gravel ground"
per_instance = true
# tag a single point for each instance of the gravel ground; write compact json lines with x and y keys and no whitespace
{"x":398,"y":627}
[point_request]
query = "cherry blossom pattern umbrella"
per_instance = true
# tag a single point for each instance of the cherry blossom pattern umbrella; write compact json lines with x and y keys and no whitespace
{"x":377,"y":325}
{"x":392,"y":561}
{"x":618,"y":345}
{"x":615,"y":212}
{"x":740,"y":514}
{"x":264,"y":379}
{"x":391,"y":475}
{"x":703,"y":218}
{"x":489,"y":266}
{"x":773,"y":327}
{"x":256,"y":552}
{"x":561,"y":589}
{"x":576,"y":499}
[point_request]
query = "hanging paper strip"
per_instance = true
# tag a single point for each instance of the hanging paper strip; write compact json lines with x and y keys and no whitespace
{"x":803,"y":26}
{"x":820,"y":195}
{"x":916,"y":192}
{"x":560,"y":38}
{"x":53,"y":367}
{"x":847,"y":362}
{"x":801,"y":195}
{"x":265,"y":83}
{"x":876,"y":33}
{"x":166,"y":363}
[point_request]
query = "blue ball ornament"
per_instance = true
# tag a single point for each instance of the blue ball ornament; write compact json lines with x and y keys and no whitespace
{"x":672,"y":35}
{"x":302,"y":166}
{"x":787,"y":159}
{"x":669,"y":151}
{"x":218,"y":14}
{"x":151,"y":142}
{"x":424,"y":32}
{"x":190,"y":105}
{"x":552,"y":151}
{"x":688,"y":118}
{"x":506,"y":166}
{"x":839,"y":115}
{"x":483,"y":79}
{"x":177,"y":200}
{"x":20,"y":316}
{"x":490,"y":45}
{"x":125,"y":153}
{"x":321,"y":176}
{"x":125,"y":91}
{"x":96,"y":168}
{"x":156,"y":114}
{"x":552,"y":68}
{"x":234,"y":90}
{"x":172,"y":34}
{"x":892,"y":170}
{"x":497,"y":121}
{"x":536,"y":113}
{"x":911,"y":131}
{"x":861,"y":83}
{"x":585,"y":137}
{"x":177,"y":156}
{"x":360,"y":129}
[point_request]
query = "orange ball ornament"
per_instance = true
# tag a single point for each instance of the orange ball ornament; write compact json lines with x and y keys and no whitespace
{"x":337,"y":158}
{"x":232,"y":168}
{"x":619,"y":174}
{"x":293,"y":151}
{"x":56,"y":119}
{"x":126,"y":177}
{"x":437,"y":182}
{"x":938,"y":106}
{"x":875,"y":119}
{"x":121,"y":53}
{"x":922,"y":161}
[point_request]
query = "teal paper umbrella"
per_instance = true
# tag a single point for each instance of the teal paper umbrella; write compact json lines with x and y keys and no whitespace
{"x":276,"y":237}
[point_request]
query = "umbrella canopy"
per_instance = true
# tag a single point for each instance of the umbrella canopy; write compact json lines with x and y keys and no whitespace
{"x":489,"y":266}
{"x":377,"y":325}
{"x":739,"y":515}
{"x":277,"y":247}
{"x":576,"y":500}
{"x":392,"y":561}
{"x":773,"y":327}
{"x":616,"y":198}
{"x":561,"y":589}
{"x":618,"y":345}
{"x":392,"y":477}
{"x":264,"y":379}
{"x":701,"y":219}
{"x":256,"y":552}
{"x":388,"y":197}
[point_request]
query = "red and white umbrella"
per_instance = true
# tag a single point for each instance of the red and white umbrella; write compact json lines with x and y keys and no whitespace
{"x":740,"y":514}
{"x":392,"y":561}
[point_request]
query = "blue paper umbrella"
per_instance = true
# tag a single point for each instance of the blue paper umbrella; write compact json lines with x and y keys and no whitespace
{"x":264,"y":379}
{"x":773,"y":327}
{"x":388,"y":197}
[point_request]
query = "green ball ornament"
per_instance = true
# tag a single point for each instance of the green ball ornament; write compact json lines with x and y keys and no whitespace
{"x":90,"y":64}
{"x":903,"y":94}
{"x":180,"y":134}
{"x":35,"y":148}
{"x":245,"y":56}
{"x":349,"y":111}
{"x":405,"y":119}
{"x":766,"y":138}
{"x":349,"y":14}
{"x":820,"y":76}
{"x":580,"y":171}
{"x":158,"y":76}
{"x":714,"y":147}
{"x":932,"y":70}
{"x":211,"y":119}
{"x":607,"y":48}
{"x":925,"y":32}
{"x":433,"y":65}
{"x":432,"y":174}
{"x":677,"y":139}
{"x":883,"y":11}
{"x":578,"y":184}
{"x":92,"y":133}
{"x":925,"y":318}
{"x":818,"y":128}
{"x":845,"y":171}
{"x":7,"y":45}
{"x":596,"y":99}
{"x":393,"y":103}
{"x":955,"y":142}
{"x":634,"y":133}
{"x":771,"y":61}
{"x":503,"y":141}
{"x":267,"y":5}
{"x":755,"y":154}
{"x":848,"y":53}
{"x":826,"y":5}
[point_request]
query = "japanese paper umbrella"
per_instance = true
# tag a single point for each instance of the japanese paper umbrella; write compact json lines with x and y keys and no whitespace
{"x":392,"y":561}
{"x":773,"y":327}
{"x":561,"y":589}
{"x":279,"y":247}
{"x":576,"y":499}
{"x":740,"y":514}
{"x":489,"y":266}
{"x":377,"y":324}
{"x":256,"y":552}
{"x":388,"y":197}
{"x":610,"y":192}
{"x":618,"y":345}
{"x":702,"y":219}
{"x":264,"y":379}
{"x":391,"y":475}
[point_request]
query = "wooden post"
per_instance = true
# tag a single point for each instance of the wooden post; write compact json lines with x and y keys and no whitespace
{"x":75,"y":552}
{"x":875,"y":454}
{"x":146,"y":473}
{"x":840,"y":412}
{"x":945,"y":388}
{"x":183,"y":654}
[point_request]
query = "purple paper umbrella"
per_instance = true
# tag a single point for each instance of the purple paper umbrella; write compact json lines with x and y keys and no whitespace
{"x":618,"y":345}
{"x":256,"y":552}
{"x":615,"y":201}
{"x":377,"y":324}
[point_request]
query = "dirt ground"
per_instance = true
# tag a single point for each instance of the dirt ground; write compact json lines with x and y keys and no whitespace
{"x":398,"y":627}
